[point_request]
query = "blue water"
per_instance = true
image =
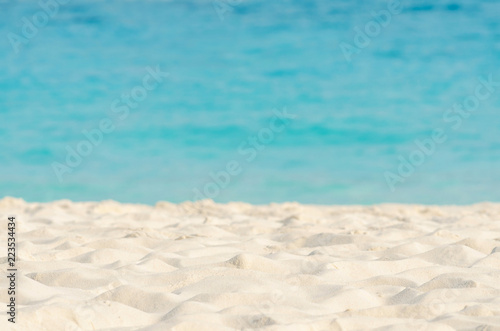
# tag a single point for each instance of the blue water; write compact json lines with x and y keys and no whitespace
{"x":227,"y":74}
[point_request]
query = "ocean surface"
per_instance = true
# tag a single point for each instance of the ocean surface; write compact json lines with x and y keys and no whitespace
{"x":206,"y":130}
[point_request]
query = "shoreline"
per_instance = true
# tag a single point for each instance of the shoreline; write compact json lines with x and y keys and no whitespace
{"x":17,"y":200}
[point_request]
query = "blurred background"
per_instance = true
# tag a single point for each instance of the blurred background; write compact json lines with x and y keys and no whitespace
{"x":230,"y":63}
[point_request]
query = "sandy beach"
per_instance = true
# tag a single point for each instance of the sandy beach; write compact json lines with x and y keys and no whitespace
{"x":250,"y":165}
{"x":207,"y":266}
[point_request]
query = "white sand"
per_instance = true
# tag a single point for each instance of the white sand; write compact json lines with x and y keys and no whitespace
{"x":206,"y":266}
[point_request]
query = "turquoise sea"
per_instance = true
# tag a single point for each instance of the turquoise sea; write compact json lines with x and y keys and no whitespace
{"x":209,"y":128}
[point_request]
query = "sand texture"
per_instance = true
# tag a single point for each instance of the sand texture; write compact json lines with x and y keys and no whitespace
{"x":206,"y":266}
